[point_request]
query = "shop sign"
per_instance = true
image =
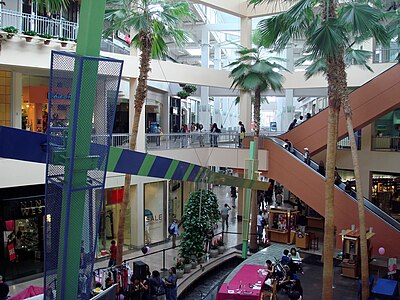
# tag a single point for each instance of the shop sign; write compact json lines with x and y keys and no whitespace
{"x":31,"y":208}
{"x":59,"y":96}
{"x":150,"y":217}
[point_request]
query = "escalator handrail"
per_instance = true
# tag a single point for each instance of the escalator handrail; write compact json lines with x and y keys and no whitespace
{"x":388,"y":219}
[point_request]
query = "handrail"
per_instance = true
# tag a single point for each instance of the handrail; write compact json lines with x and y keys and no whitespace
{"x":353,"y":196}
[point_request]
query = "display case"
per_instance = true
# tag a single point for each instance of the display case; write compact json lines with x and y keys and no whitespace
{"x":281,"y":223}
{"x":351,"y":261}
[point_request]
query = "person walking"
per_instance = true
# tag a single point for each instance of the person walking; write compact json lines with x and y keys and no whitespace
{"x":242,"y":133}
{"x":214,"y":135}
{"x":224,"y":215}
{"x":292,"y":125}
{"x":170,"y":284}
{"x":113,"y":254}
{"x":173,"y":231}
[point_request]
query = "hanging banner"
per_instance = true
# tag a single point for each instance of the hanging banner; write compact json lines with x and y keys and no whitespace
{"x":11,"y":252}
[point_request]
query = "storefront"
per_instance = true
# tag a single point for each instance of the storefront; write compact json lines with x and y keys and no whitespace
{"x":5,"y":98}
{"x":155,"y":222}
{"x":385,"y":192}
{"x":21,"y":231}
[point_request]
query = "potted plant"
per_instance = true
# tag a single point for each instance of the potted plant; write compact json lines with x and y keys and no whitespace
{"x":46,"y":37}
{"x":189,"y":89}
{"x":11,"y":31}
{"x":183,"y":94}
{"x":214,"y":249}
{"x":179,"y":268}
{"x":29,"y":34}
{"x":221,"y":245}
{"x":187,"y":265}
{"x":63,"y":41}
{"x":194,"y":261}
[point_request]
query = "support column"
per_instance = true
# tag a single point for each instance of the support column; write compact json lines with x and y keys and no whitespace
{"x":137,"y":214}
{"x":204,"y":113}
{"x":16,"y":113}
{"x":285,"y":111}
{"x":217,"y":57}
{"x":245,"y":98}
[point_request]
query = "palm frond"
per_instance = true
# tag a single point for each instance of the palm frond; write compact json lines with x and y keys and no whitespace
{"x":52,"y":5}
{"x":318,"y":66}
{"x":357,"y":57}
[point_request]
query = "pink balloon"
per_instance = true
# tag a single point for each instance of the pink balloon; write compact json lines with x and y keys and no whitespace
{"x":381,"y":250}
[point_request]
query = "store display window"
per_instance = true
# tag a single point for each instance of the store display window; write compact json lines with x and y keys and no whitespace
{"x":5,"y":98}
{"x":154,"y":214}
{"x":385,"y":193}
{"x":109,"y":221}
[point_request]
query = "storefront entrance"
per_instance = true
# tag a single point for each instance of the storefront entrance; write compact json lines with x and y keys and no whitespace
{"x":385,"y":193}
{"x":21,"y":231}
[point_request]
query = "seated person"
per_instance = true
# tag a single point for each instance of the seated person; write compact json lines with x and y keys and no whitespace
{"x":286,"y":281}
{"x":295,"y":261}
{"x":269,"y":267}
{"x":285,"y":258}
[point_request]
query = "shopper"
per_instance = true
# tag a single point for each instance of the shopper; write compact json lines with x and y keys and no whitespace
{"x":292,"y":125}
{"x":289,"y":146}
{"x":321,"y":168}
{"x":173,"y":231}
{"x":306,"y":156}
{"x":113,"y":254}
{"x":4,"y":289}
{"x":260,"y":226}
{"x":215,"y":131}
{"x":242,"y":133}
{"x":156,"y":287}
{"x":170,"y":284}
{"x":224,"y":215}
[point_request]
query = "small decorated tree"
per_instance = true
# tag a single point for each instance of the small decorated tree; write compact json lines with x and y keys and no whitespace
{"x":200,"y":213}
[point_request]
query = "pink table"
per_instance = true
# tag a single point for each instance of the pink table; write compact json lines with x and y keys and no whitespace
{"x":248,"y":274}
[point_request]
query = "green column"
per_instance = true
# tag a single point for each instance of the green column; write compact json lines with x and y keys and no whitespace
{"x":247,"y":203}
{"x":88,"y":44}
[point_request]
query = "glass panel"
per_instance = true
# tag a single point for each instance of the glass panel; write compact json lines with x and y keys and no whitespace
{"x":5,"y":98}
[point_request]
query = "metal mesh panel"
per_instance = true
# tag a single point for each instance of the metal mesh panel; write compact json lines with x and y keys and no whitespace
{"x":82,"y":101}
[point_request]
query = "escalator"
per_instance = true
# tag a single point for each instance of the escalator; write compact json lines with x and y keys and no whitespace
{"x":372,"y":100}
{"x":306,"y":183}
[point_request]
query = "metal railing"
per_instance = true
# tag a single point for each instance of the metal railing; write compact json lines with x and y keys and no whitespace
{"x":41,"y":25}
{"x":386,"y":143}
{"x":386,"y":55}
{"x":109,"y":46}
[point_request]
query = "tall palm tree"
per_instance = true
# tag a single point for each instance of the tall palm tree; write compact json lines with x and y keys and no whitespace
{"x":155,"y":21}
{"x":254,"y":72}
{"x":329,"y":32}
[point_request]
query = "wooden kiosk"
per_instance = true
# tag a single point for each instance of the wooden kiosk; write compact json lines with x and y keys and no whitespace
{"x":351,"y":262}
{"x":281,"y":224}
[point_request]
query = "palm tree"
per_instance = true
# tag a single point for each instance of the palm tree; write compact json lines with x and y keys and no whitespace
{"x":253,"y":72}
{"x":154,"y":21}
{"x":52,"y":5}
{"x":330,"y":32}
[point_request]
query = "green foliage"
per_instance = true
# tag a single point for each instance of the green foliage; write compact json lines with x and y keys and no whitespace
{"x":53,"y":6}
{"x":63,"y":39}
{"x":352,"y":23}
{"x":201,"y":212}
{"x":189,"y":88}
{"x":10,"y":29}
{"x":157,"y":20}
{"x":29,"y":33}
{"x":183,"y":94}
{"x":46,"y":36}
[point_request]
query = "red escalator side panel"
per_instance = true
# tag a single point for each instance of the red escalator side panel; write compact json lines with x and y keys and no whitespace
{"x":372,"y":100}
{"x":310,"y":187}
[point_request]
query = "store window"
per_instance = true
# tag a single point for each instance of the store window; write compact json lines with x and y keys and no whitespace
{"x":109,"y":221}
{"x":175,"y":207}
{"x":385,"y":193}
{"x":21,"y":231}
{"x":5,"y":98}
{"x":386,"y":135}
{"x":155,"y":211}
{"x":35,"y":90}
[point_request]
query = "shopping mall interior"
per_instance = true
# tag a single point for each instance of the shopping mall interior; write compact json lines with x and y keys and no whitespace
{"x":178,"y":153}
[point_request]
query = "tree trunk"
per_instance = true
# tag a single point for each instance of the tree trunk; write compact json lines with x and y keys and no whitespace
{"x":360,"y":199}
{"x":254,"y":206}
{"x":140,"y":96}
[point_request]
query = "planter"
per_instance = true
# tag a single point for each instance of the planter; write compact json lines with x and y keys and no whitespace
{"x":46,"y":42}
{"x":63,"y":44}
{"x":179,"y":273}
{"x":28,"y":39}
{"x":10,"y":36}
{"x":221,"y":249}
{"x":214,"y":253}
{"x":187,"y":268}
{"x":194,"y":264}
{"x":202,"y":260}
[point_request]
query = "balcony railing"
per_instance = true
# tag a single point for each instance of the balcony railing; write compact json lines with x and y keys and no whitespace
{"x":386,"y":143}
{"x":386,"y":55}
{"x":41,"y":25}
